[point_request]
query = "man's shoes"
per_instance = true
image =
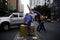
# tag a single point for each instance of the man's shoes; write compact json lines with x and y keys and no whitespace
{"x":38,"y":30}
{"x":30,"y":35}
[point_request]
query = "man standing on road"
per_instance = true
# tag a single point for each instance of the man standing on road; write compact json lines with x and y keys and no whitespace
{"x":28,"y":20}
{"x":42,"y":23}
{"x":37,"y":18}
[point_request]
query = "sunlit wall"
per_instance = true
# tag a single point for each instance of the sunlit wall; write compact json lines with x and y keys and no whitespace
{"x":25,"y":2}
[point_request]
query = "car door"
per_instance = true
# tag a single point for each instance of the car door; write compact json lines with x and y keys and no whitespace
{"x":14,"y":18}
{"x":21,"y":18}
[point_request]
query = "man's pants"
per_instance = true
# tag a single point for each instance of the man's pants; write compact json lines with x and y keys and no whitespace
{"x":29,"y":27}
{"x":41,"y":26}
{"x":38,"y":28}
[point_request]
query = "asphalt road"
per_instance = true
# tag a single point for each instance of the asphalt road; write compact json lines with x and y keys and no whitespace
{"x":53,"y":33}
{"x":8,"y":35}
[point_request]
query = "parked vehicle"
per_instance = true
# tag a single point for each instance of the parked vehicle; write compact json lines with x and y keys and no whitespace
{"x":8,"y":20}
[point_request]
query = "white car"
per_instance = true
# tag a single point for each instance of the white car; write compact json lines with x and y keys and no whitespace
{"x":14,"y":18}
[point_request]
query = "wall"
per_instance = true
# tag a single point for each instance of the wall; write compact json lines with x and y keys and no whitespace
{"x":12,"y":3}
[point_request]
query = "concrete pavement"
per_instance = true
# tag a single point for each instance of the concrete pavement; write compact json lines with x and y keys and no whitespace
{"x":17,"y":37}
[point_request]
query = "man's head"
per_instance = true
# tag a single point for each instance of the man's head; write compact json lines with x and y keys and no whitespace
{"x":35,"y":14}
{"x":27,"y":14}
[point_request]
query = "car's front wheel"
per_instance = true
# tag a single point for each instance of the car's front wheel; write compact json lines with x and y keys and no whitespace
{"x":5,"y":26}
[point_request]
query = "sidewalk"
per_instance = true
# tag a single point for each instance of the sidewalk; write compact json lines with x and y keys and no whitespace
{"x":36,"y":37}
{"x":17,"y":37}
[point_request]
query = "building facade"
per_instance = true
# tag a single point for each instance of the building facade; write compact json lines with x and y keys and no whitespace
{"x":56,"y":8}
{"x":34,"y":3}
{"x":14,"y":5}
{"x":3,"y":5}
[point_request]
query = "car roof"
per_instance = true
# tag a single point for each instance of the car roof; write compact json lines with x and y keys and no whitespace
{"x":17,"y":13}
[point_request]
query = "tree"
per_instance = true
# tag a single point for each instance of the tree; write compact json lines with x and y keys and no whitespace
{"x":11,"y":8}
{"x":44,"y":10}
{"x":3,"y":8}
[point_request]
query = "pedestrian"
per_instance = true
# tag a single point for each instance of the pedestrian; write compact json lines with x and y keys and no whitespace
{"x":42,"y":23}
{"x":37,"y":18}
{"x":32,"y":14}
{"x":28,"y":20}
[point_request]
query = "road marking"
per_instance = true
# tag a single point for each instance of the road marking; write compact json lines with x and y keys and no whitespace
{"x":15,"y":38}
{"x":25,"y":39}
{"x":20,"y":37}
{"x":34,"y":37}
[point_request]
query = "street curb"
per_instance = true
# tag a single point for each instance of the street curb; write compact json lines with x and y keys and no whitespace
{"x":15,"y":38}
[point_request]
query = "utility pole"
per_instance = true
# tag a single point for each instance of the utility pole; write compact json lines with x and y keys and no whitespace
{"x":45,"y":2}
{"x":17,"y":5}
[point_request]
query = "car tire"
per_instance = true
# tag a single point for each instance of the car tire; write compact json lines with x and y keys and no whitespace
{"x":5,"y":26}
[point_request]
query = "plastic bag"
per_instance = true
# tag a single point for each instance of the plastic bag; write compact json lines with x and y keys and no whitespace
{"x":32,"y":24}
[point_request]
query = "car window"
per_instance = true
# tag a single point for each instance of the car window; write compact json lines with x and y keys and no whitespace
{"x":20,"y":15}
{"x":14,"y":15}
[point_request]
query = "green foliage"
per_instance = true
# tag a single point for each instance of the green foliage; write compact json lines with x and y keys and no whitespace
{"x":43,"y":10}
{"x":12,"y":8}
